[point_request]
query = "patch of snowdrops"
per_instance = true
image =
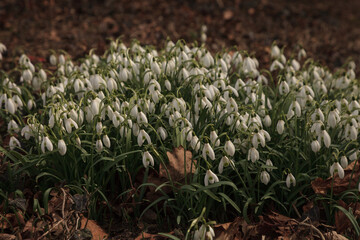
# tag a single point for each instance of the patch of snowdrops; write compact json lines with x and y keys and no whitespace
{"x":295,"y":121}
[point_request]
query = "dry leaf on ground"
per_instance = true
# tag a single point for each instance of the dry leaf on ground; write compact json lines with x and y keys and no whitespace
{"x":350,"y":180}
{"x":180,"y":163}
{"x":96,"y":231}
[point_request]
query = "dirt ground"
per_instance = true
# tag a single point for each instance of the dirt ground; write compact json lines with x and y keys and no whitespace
{"x":328,"y":29}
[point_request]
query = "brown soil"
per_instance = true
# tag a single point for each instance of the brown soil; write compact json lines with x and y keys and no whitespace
{"x":327,"y":29}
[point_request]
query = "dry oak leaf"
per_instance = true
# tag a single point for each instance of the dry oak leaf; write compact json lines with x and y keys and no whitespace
{"x":179,"y":162}
{"x":96,"y":231}
{"x":350,"y":180}
{"x":232,"y":230}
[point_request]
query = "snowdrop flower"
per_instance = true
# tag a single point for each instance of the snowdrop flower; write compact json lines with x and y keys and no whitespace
{"x":210,"y":177}
{"x":275,"y":51}
{"x":11,"y":106}
{"x":284,"y":88}
{"x":224,"y":162}
{"x":265,"y":177}
{"x":30,"y":104}
{"x":253,"y":155}
{"x":257,"y":137}
{"x":317,"y":115}
{"x":106,"y":141}
{"x":208,"y":151}
{"x":344,"y":161}
{"x":333,"y":118}
{"x":204,"y":233}
{"x":336,"y":168}
{"x":280,"y":126}
{"x":46,"y":144}
{"x":14,"y":142}
{"x":276,"y":65}
{"x":27,"y":75}
{"x":353,"y":156}
{"x":229,"y":148}
{"x":195,"y":143}
{"x":267,"y":121}
{"x":147,"y":159}
{"x":99,"y":145}
{"x":162,"y":132}
{"x":325,"y":137}
{"x":13,"y":126}
{"x":141,"y":118}
{"x":290,"y":179}
{"x":168,"y":85}
{"x":69,"y":124}
{"x":270,"y":164}
{"x":111,"y":85}
{"x":99,"y":127}
{"x":142,"y":137}
{"x":301,"y":54}
{"x":214,"y":139}
{"x":62,"y":147}
{"x":53,"y":60}
{"x":315,"y":146}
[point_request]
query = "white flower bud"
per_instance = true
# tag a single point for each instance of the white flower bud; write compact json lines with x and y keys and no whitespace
{"x":270,"y":164}
{"x":267,"y":121}
{"x":99,"y":127}
{"x":344,"y":162}
{"x":208,"y":151}
{"x":265,"y":177}
{"x":106,"y":141}
{"x":11,"y":106}
{"x":162,"y":132}
{"x":30,"y":104}
{"x":214,"y":139}
{"x":27,"y":75}
{"x":168,"y":85}
{"x":53,"y":60}
{"x":290,"y":179}
{"x":99,"y":145}
{"x":229,"y":148}
{"x":280,"y":126}
{"x":62,"y":147}
{"x":315,"y":146}
{"x":253,"y":155}
{"x":195,"y":143}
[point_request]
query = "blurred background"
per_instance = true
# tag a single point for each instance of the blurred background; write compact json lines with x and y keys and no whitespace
{"x":328,"y":29}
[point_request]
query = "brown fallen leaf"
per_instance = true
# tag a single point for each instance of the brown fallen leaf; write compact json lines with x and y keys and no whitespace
{"x":350,"y":180}
{"x":229,"y":231}
{"x":96,"y":231}
{"x":4,"y":236}
{"x":180,"y":163}
{"x":334,"y":236}
{"x":342,"y":223}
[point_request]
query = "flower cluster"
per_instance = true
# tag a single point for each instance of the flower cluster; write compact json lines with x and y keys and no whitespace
{"x":232,"y":115}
